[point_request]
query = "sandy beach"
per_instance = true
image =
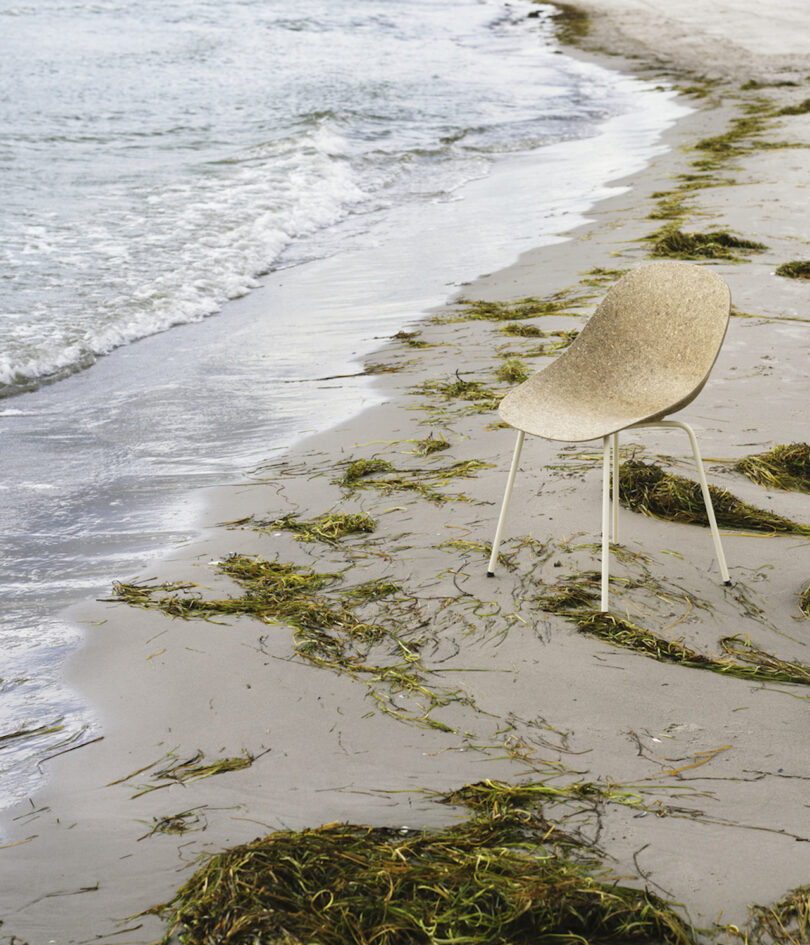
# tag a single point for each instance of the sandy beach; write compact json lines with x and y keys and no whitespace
{"x":507,"y":690}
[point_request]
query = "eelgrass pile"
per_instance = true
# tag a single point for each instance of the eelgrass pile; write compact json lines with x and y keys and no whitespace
{"x":487,"y":881}
{"x":328,"y":528}
{"x":478,"y":395}
{"x":363,"y":474}
{"x":783,"y":467}
{"x":576,"y":598}
{"x":763,"y":666}
{"x":717,"y":244}
{"x":330,"y":630}
{"x":797,"y":269}
{"x":512,"y":371}
{"x":804,"y":601}
{"x":647,"y":488}
{"x":480,"y":309}
{"x":786,"y":922}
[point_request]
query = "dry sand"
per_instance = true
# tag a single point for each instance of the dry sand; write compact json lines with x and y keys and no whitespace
{"x":733,"y":755}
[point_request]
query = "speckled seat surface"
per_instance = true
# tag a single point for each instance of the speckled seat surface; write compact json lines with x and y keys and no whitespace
{"x":645,"y":353}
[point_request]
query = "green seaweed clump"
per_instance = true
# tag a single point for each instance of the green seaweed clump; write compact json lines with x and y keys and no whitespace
{"x":786,"y":922}
{"x":513,"y":311}
{"x":646,"y":488}
{"x":717,"y":244}
{"x":763,"y":666}
{"x":329,"y":527}
{"x":571,"y":23}
{"x":476,"y":393}
{"x":801,"y":109}
{"x":798,"y":269}
{"x":411,"y":339}
{"x":431,"y":444}
{"x":512,"y":371}
{"x":481,"y":882}
{"x":804,"y":602}
{"x":361,"y":468}
{"x":361,"y":475}
{"x":783,"y":467}
{"x":522,"y":331}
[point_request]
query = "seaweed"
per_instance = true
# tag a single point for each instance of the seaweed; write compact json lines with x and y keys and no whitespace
{"x":782,"y":467}
{"x":328,"y":528}
{"x":530,"y":307}
{"x":512,"y":371}
{"x":717,"y":244}
{"x":600,"y":275}
{"x":411,"y":339}
{"x":327,"y":631}
{"x":646,"y":488}
{"x":801,"y":109}
{"x":482,"y":881}
{"x":804,"y":602}
{"x":763,"y":666}
{"x":523,"y":331}
{"x":797,"y":269}
{"x":361,"y":475}
{"x":571,"y":23}
{"x":476,"y":393}
{"x":360,"y":468}
{"x":786,"y":922}
{"x":431,"y":444}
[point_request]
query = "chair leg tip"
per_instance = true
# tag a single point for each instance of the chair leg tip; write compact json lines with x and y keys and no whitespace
{"x":727,"y":584}
{"x":490,"y":574}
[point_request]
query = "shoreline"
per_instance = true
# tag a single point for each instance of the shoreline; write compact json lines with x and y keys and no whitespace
{"x":691,"y":714}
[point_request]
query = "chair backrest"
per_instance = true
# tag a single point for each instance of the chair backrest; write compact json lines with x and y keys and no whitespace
{"x":646,"y":352}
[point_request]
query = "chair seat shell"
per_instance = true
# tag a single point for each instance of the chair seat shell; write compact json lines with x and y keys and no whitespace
{"x":646,"y":352}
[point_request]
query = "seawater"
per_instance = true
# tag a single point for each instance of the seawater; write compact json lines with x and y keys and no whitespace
{"x":327,"y":170}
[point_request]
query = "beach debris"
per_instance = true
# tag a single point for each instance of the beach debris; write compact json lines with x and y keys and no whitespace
{"x":764,"y":668}
{"x":431,"y":444}
{"x":602,"y":276}
{"x":782,"y":467}
{"x":384,"y":652}
{"x":786,"y":922}
{"x":524,"y":802}
{"x":329,"y":527}
{"x":361,"y":474}
{"x":797,"y":269}
{"x":717,"y":244}
{"x":186,"y":821}
{"x":530,"y":307}
{"x":571,"y":23}
{"x":647,"y":488}
{"x":577,"y":596}
{"x":411,"y":339}
{"x":480,"y":397}
{"x":801,"y":109}
{"x":804,"y":601}
{"x":487,"y":880}
{"x":192,"y":769}
{"x":523,"y":330}
{"x":512,"y":371}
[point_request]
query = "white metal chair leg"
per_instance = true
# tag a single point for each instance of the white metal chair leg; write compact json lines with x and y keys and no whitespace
{"x":606,"y":464}
{"x":615,"y":451}
{"x":704,"y":488}
{"x":496,"y":542}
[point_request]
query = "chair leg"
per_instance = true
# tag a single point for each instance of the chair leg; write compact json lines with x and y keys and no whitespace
{"x":496,"y":542}
{"x":704,"y":488}
{"x":615,"y":451}
{"x":606,"y":464}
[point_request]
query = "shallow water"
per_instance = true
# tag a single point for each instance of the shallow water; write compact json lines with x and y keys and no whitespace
{"x":433,"y":170}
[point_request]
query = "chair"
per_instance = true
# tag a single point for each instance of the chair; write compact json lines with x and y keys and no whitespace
{"x":645,"y":353}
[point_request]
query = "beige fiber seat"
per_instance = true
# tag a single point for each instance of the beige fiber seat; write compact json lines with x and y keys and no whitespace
{"x":645,"y":353}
